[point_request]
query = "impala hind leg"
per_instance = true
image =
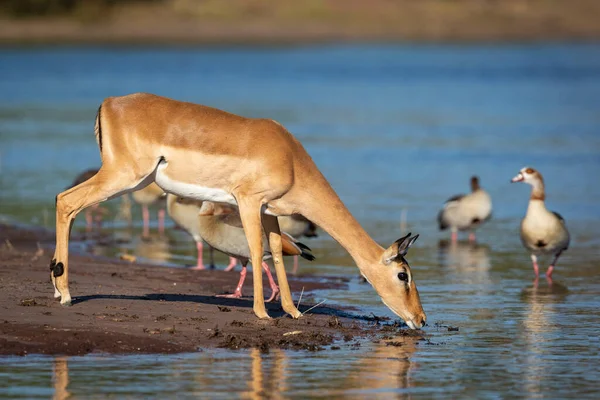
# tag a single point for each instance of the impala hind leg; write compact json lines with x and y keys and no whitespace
{"x":251,"y":222}
{"x":271,"y":227}
{"x":102,"y":186}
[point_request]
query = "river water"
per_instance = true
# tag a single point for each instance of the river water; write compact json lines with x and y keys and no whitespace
{"x":397,"y":130}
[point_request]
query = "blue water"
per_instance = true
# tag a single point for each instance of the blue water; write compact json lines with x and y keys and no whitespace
{"x":396,"y":129}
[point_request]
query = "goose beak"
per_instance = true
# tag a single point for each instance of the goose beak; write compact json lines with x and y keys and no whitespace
{"x":518,"y":178}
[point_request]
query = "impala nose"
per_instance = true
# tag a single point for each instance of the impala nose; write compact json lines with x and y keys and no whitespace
{"x":419,"y":321}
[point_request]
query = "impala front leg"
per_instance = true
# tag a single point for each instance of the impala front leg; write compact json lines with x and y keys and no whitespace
{"x":274,"y":236}
{"x":250,"y":216}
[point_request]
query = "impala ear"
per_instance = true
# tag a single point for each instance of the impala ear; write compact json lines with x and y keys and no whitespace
{"x":398,"y":249}
{"x":405,"y":245}
{"x":207,"y":209}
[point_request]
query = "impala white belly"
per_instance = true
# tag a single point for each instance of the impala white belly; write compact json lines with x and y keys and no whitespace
{"x":190,"y":190}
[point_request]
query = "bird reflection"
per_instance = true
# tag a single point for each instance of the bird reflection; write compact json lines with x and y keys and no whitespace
{"x":154,"y":248}
{"x":60,"y":378}
{"x":267,"y":381}
{"x":539,"y":327}
{"x":468,"y":259}
{"x":388,"y":366}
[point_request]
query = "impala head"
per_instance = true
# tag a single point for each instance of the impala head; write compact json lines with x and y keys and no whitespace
{"x":529,"y":175}
{"x":395,"y":285}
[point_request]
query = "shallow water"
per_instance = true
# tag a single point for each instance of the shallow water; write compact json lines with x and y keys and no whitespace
{"x":397,"y":130}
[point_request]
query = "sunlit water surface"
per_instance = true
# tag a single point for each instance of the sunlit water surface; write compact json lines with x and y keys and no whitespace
{"x":397,"y":130}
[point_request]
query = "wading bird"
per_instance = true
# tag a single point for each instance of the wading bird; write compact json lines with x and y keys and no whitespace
{"x":542,"y":231}
{"x":466,"y":212}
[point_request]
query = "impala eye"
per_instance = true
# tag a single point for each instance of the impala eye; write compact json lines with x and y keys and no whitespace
{"x":403,"y":276}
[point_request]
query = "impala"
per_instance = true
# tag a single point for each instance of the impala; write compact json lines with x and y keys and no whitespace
{"x":204,"y":153}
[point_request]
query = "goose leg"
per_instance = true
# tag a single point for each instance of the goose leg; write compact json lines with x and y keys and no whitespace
{"x":89,"y":220}
{"x":536,"y":269}
{"x":199,"y":263}
{"x":232,"y":264}
{"x":551,"y":267}
{"x":454,"y":236}
{"x":146,"y":221}
{"x":238,"y":289}
{"x":211,"y":257}
{"x":274,"y":288}
{"x":472,"y":237}
{"x":161,"y":221}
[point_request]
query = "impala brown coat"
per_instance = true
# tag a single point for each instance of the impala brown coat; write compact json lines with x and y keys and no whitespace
{"x":208,"y":154}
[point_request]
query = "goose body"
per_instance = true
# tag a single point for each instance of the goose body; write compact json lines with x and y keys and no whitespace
{"x":221,"y":227}
{"x":466,"y":211}
{"x":185,"y":214}
{"x":542,"y":231}
{"x":297,"y":226}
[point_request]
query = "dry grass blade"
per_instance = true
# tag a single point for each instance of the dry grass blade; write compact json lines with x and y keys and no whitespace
{"x":316,"y":305}
{"x":300,"y":299}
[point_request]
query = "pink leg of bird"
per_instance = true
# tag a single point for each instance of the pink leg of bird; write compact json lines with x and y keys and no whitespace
{"x":454,"y":237}
{"x":551,"y":267}
{"x":472,"y":237}
{"x":295,"y":270}
{"x":274,"y":287}
{"x":161,"y":221}
{"x":199,"y":263}
{"x":232,"y":264}
{"x":536,"y":269}
{"x":89,"y":220}
{"x":146,"y":221}
{"x":238,"y":289}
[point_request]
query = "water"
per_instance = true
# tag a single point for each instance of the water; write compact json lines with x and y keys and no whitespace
{"x":396,"y":129}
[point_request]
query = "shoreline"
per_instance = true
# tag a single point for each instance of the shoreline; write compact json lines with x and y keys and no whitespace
{"x":127,"y":308}
{"x":285,"y":23}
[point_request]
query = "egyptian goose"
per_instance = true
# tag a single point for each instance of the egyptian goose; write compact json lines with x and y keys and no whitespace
{"x":221,"y":227}
{"x":466,"y":211}
{"x":185,"y":213}
{"x":149,"y":195}
{"x":94,"y":212}
{"x":297,"y":226}
{"x":542,"y":231}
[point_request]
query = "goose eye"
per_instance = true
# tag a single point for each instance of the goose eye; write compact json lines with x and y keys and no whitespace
{"x":403,"y":276}
{"x":529,"y":170}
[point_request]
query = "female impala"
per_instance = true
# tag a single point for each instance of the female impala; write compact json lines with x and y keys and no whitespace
{"x":208,"y":154}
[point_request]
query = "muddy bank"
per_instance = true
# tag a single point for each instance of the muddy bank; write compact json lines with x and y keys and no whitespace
{"x":120,"y":307}
{"x":264,"y":22}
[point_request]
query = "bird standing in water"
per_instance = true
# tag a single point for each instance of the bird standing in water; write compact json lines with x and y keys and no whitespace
{"x":466,"y":212}
{"x":542,"y":231}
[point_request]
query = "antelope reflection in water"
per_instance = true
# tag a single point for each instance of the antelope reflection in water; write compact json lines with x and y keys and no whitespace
{"x":388,"y":368}
{"x":60,"y":378}
{"x":267,"y":381}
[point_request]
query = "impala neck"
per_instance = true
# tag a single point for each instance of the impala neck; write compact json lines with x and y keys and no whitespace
{"x":327,"y":211}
